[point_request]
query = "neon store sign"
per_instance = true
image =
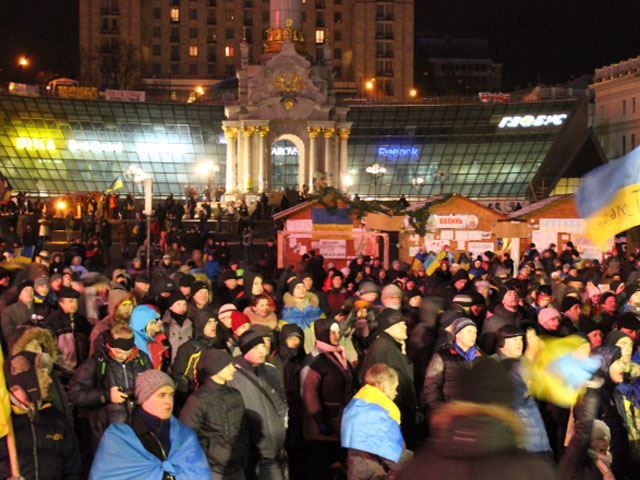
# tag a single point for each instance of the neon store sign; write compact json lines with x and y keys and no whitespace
{"x":35,"y":144}
{"x":95,"y":147}
{"x":392,"y":151}
{"x":529,"y":121}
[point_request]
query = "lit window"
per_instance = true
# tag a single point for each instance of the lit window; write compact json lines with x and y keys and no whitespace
{"x":174,"y":13}
{"x":319,"y":37}
{"x":228,"y":51}
{"x":193,"y":51}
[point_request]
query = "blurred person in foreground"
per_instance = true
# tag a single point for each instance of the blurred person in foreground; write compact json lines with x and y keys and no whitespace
{"x":478,"y":436}
{"x":153,"y":445}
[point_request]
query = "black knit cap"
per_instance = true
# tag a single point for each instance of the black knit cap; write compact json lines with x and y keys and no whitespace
{"x":198,"y":286}
{"x":68,"y":292}
{"x":22,"y":285}
{"x":213,"y":360}
{"x":568,"y":302}
{"x":487,"y":382}
{"x":175,"y":297}
{"x":389,"y":317}
{"x":186,"y":280}
{"x":250,"y":339}
{"x":229,"y":275}
{"x":628,"y":320}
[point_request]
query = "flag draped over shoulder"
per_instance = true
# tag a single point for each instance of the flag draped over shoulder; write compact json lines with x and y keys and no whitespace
{"x":609,"y":197}
{"x":5,"y":404}
{"x":115,"y":185}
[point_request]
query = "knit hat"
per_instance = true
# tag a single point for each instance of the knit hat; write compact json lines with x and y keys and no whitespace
{"x":226,"y":309}
{"x":229,"y":275}
{"x":21,"y":370}
{"x":461,"y":274}
{"x":568,"y":302}
{"x":391,"y":290}
{"x":629,"y":321}
{"x":292,"y":282}
{"x":389,"y":317}
{"x":462,"y":323}
{"x":322,"y":329}
{"x":43,"y":280}
{"x":614,"y":336}
{"x":22,"y":285}
{"x":600,"y":430}
{"x":292,"y":330}
{"x":546,"y":314}
{"x":175,"y":297}
{"x":68,"y":292}
{"x":237,"y":320}
{"x":586,"y":325}
{"x":186,"y":280}
{"x":250,"y":339}
{"x":463,"y":299}
{"x":486,"y":382}
{"x":149,"y":382}
{"x":213,"y":360}
{"x":200,"y":320}
{"x":142,"y":278}
{"x":368,"y":287}
{"x":198,"y":286}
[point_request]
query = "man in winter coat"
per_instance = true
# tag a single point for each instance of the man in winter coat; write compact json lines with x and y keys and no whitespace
{"x":19,"y":313}
{"x":47,"y":445}
{"x":216,"y":412}
{"x":389,"y":348}
{"x":478,"y":435}
{"x":103,"y":386}
{"x":178,"y":327}
{"x":507,"y":312}
{"x":326,"y":389}
{"x":261,"y":388}
{"x":154,"y":444}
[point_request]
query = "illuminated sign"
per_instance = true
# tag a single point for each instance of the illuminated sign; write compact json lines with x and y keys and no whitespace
{"x":527,"y":121}
{"x":280,"y":151}
{"x":28,"y":143}
{"x":399,"y":151}
{"x":95,"y":147}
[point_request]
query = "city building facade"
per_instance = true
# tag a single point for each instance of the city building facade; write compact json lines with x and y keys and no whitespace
{"x":616,"y":119}
{"x":180,"y":44}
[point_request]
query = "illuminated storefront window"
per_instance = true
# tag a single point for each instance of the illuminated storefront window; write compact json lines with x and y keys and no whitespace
{"x":284,"y":165}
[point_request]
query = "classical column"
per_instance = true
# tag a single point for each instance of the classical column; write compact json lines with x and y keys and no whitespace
{"x":231,"y":134}
{"x":247,"y":180}
{"x":262,"y":171}
{"x":328,"y":148}
{"x":313,"y":149}
{"x":343,"y":168}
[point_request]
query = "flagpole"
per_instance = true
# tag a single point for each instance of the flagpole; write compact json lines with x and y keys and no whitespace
{"x":13,"y":451}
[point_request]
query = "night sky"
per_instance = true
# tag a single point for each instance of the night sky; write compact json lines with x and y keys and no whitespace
{"x":552,"y":40}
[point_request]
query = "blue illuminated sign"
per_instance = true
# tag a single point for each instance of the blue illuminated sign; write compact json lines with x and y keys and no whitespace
{"x":396,"y":151}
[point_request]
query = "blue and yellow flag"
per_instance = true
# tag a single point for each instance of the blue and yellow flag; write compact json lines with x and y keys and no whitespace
{"x":609,"y":198}
{"x":5,"y":403}
{"x":338,"y":220}
{"x":115,"y":185}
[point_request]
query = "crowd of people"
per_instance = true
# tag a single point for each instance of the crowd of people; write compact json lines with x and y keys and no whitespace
{"x":213,"y":366}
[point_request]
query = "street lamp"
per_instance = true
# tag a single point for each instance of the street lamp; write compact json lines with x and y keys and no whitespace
{"x":23,"y":61}
{"x":138,"y":175}
{"x":418,"y":182}
{"x":207,"y":168}
{"x":413,"y":93}
{"x":377,"y":171}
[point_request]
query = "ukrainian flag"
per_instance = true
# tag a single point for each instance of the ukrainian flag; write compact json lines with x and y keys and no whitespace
{"x":609,"y":198}
{"x":115,"y":185}
{"x":338,"y":220}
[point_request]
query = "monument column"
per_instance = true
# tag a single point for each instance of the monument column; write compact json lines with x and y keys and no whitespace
{"x":248,"y":177}
{"x":328,"y":149}
{"x":343,"y":166}
{"x":262,"y":170}
{"x":231,"y":134}
{"x":313,"y":132}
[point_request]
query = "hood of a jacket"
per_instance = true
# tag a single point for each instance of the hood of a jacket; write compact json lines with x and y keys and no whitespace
{"x":472,"y":430}
{"x":248,"y":278}
{"x":42,"y":336}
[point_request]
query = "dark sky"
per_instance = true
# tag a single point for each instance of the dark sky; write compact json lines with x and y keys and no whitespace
{"x":549,"y":39}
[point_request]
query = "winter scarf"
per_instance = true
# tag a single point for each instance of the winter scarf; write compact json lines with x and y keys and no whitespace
{"x":338,"y":352}
{"x":470,"y":355}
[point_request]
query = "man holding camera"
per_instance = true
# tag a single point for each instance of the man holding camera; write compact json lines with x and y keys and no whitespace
{"x":103,"y":385}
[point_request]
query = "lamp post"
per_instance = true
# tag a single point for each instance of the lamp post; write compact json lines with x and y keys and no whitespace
{"x":207,"y":169}
{"x":418,"y":182}
{"x":138,"y":175}
{"x":377,"y":171}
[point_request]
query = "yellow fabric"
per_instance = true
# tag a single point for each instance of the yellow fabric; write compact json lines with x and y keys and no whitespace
{"x":436,"y":263}
{"x":620,"y":214}
{"x":5,"y":403}
{"x":371,"y":394}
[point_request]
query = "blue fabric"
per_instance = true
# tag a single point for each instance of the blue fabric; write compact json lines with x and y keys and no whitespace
{"x":302,"y":318}
{"x":369,"y":428}
{"x":631,"y":391}
{"x":429,"y":259}
{"x":212,"y":270}
{"x":121,"y":456}
{"x":575,"y":372}
{"x":140,"y":317}
{"x":470,"y":355}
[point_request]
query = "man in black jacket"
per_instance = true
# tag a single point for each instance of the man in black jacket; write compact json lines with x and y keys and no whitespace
{"x":389,"y":348}
{"x":103,"y":386}
{"x":217,"y":414}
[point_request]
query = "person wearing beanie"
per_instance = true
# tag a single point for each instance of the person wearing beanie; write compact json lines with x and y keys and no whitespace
{"x":448,"y":363}
{"x":224,"y":314}
{"x":508,"y":311}
{"x":570,"y":319}
{"x":200,"y":299}
{"x":228,"y":289}
{"x":141,"y":287}
{"x":102,"y":386}
{"x":240,"y":323}
{"x":71,"y":329}
{"x":216,"y":411}
{"x":185,"y":283}
{"x":120,"y":304}
{"x":327,"y":386}
{"x":178,"y":327}
{"x":608,"y":315}
{"x":592,"y":330}
{"x":43,"y":302}
{"x":20,"y":312}
{"x":391,"y":297}
{"x":481,"y":428}
{"x":153,"y":444}
{"x":459,"y":284}
{"x":149,"y":337}
{"x":629,"y":324}
{"x":509,"y":343}
{"x":389,"y":347}
{"x":301,"y":308}
{"x":46,"y":443}
{"x":336,"y":294}
{"x":549,"y":321}
{"x":370,"y":427}
{"x":260,"y":385}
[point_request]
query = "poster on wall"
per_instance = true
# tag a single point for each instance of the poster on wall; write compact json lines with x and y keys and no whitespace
{"x":567,"y":225}
{"x":299,"y":225}
{"x":543,"y":239}
{"x":333,"y":248}
{"x":478,"y":248}
{"x":439,"y":222}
